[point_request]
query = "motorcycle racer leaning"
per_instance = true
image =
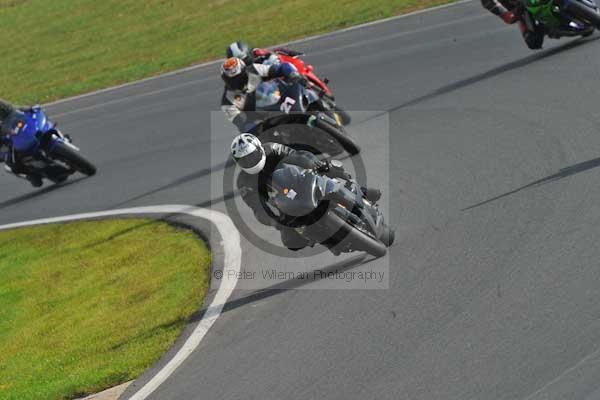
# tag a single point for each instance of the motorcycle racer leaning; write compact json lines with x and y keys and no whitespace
{"x":513,"y":11}
{"x":11,"y":160}
{"x":241,"y":81}
{"x":258,"y":162}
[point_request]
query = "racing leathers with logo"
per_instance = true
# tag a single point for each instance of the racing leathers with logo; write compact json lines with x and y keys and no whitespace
{"x":241,"y":81}
{"x":258,"y":162}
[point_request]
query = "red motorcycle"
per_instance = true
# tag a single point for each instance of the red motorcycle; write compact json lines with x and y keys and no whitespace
{"x":313,"y":81}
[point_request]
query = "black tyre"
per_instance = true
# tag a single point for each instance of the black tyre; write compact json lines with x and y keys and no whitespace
{"x":588,"y":33}
{"x":301,"y":137}
{"x":583,"y":12}
{"x":342,"y":116}
{"x":358,"y":239}
{"x":345,"y":141}
{"x":72,"y":158}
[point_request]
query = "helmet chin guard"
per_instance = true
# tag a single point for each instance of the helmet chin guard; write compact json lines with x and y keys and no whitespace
{"x":258,"y":167}
{"x":248,"y":153}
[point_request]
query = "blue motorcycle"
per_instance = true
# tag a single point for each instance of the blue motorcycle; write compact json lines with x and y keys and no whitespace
{"x":40,"y":149}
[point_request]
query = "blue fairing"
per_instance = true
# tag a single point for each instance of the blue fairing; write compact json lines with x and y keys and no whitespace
{"x":27,"y":139}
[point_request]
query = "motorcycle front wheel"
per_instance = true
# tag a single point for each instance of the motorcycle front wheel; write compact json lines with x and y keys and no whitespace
{"x":356,"y":238}
{"x":342,"y":116}
{"x":73,"y":158}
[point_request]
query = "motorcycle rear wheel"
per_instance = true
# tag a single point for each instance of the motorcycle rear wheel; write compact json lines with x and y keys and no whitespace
{"x":340,"y":136}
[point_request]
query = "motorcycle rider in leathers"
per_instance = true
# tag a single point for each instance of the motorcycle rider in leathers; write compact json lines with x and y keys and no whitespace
{"x":258,"y":162}
{"x":241,"y":81}
{"x":513,"y":11}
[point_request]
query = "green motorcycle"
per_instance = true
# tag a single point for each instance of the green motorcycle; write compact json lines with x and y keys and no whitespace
{"x":558,"y":18}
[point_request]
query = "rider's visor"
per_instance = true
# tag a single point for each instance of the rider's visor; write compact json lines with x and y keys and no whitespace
{"x":251,"y":160}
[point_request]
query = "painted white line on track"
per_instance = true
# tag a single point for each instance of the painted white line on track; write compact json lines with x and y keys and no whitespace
{"x":232,"y":261}
{"x":213,"y":62}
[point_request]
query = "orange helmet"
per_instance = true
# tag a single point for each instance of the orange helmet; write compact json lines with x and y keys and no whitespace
{"x":232,"y":67}
{"x":234,"y":74}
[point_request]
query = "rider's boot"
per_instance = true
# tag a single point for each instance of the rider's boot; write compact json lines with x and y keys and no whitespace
{"x":35,"y":180}
{"x":534,"y":39}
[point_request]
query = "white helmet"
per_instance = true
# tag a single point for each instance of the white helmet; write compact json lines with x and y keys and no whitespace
{"x":248,"y":153}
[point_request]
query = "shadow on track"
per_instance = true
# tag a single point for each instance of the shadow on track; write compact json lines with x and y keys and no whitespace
{"x":487,"y":75}
{"x":40,"y":192}
{"x":279,"y":288}
{"x":282,"y":287}
{"x":209,"y":203}
{"x":561,"y":174}
{"x":177,"y":182}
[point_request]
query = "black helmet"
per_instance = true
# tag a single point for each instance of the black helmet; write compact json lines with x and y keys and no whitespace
{"x":240,"y":50}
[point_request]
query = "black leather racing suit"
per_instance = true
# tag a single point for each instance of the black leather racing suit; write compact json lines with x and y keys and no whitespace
{"x":254,"y":192}
{"x":253,"y":188}
{"x":236,"y":101}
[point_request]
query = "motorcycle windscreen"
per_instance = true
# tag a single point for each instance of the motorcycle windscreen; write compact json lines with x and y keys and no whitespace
{"x":267,"y":95}
{"x":22,"y":128}
{"x":294,"y":191}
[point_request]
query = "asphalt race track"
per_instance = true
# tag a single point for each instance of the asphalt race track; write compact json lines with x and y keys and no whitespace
{"x":493,"y":163}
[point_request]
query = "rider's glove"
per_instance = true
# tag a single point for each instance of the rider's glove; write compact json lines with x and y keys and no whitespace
{"x":509,"y":17}
{"x":322,"y":167}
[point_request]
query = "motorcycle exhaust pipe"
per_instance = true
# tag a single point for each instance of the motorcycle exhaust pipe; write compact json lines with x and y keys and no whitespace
{"x":582,"y":11}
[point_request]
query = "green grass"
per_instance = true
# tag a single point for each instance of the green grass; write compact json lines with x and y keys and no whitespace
{"x":88,"y":305}
{"x":56,"y":48}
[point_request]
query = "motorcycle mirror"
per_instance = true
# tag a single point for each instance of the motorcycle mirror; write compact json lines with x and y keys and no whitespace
{"x":309,"y":68}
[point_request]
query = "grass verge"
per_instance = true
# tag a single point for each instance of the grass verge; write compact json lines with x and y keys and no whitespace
{"x":58,"y":48}
{"x":88,"y":305}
